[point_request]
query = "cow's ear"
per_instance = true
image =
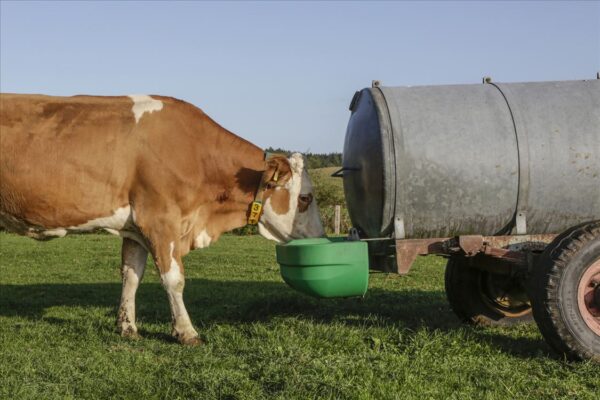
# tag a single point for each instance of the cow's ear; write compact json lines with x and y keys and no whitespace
{"x":278,"y":172}
{"x":297,"y":163}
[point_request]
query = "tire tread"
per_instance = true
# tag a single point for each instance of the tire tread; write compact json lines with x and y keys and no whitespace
{"x":545,"y":296}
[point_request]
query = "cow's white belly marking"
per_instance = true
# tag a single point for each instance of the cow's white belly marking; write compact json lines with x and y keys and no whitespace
{"x":113,"y":223}
{"x":57,"y":232}
{"x":117,"y":221}
{"x":144,"y":104}
{"x":120,"y":223}
{"x":202,"y":240}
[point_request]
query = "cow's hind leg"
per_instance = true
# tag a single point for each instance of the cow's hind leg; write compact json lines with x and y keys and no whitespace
{"x":133,"y":257}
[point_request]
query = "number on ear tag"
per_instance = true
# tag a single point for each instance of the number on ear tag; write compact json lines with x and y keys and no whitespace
{"x":255,"y":211}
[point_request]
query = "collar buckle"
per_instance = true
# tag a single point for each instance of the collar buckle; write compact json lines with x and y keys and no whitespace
{"x":256,"y":207}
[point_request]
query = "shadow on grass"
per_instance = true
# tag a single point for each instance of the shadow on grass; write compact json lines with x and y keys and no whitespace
{"x":237,"y":302}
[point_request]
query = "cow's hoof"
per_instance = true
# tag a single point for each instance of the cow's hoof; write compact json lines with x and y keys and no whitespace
{"x":191,"y":341}
{"x":187,"y":337}
{"x":129,"y":333}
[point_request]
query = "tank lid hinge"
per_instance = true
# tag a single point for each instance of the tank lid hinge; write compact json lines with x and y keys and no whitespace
{"x":487,"y":79}
{"x":375,"y":83}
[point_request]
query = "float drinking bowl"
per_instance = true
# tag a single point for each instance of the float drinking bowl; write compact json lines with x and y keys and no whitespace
{"x":325,"y":267}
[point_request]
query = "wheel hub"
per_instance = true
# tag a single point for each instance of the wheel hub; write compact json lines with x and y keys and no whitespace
{"x":505,"y":295}
{"x":588,"y":297}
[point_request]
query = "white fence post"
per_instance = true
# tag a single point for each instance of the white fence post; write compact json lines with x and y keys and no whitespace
{"x":337,"y":220}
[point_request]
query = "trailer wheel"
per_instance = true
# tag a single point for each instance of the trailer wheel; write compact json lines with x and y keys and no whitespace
{"x":566,"y":293}
{"x":484,"y":298}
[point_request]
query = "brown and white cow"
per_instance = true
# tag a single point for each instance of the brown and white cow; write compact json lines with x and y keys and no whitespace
{"x":155,"y":170}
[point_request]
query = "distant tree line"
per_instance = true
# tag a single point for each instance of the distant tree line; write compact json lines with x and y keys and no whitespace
{"x":314,"y":160}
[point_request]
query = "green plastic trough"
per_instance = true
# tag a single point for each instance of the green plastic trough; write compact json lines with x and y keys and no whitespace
{"x":325,"y":267}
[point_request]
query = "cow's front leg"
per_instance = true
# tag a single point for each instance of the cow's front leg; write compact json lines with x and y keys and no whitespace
{"x":158,"y":224}
{"x":172,"y":277}
{"x":133,"y":263}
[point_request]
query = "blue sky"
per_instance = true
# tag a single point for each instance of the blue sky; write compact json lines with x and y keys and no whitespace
{"x":282,"y":74}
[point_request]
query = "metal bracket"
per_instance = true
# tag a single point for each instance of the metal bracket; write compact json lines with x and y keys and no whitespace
{"x":521,"y":223}
{"x":470,"y":244}
{"x":399,"y":232}
{"x":353,"y":235}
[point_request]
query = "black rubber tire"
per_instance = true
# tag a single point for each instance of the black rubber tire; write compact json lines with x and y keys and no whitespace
{"x":554,"y":284}
{"x":468,"y":293}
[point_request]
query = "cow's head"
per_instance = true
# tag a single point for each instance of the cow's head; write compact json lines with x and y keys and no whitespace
{"x":290,"y":210}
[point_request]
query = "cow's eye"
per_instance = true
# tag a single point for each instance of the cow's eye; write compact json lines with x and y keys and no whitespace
{"x":305,"y":199}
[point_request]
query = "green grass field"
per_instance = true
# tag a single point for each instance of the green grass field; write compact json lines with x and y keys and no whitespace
{"x":58,"y":303}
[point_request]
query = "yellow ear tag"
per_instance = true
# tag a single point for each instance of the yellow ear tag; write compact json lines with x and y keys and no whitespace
{"x":276,"y":176}
{"x":255,"y":211}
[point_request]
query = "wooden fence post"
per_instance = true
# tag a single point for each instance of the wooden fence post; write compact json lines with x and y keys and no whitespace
{"x":337,"y":220}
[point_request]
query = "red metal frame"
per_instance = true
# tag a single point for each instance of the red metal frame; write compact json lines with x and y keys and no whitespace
{"x":509,"y":249}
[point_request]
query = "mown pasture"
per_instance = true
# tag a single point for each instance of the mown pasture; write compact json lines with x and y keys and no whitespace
{"x":58,"y":303}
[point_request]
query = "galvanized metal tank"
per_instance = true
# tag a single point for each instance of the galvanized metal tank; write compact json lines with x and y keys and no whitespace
{"x":492,"y":158}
